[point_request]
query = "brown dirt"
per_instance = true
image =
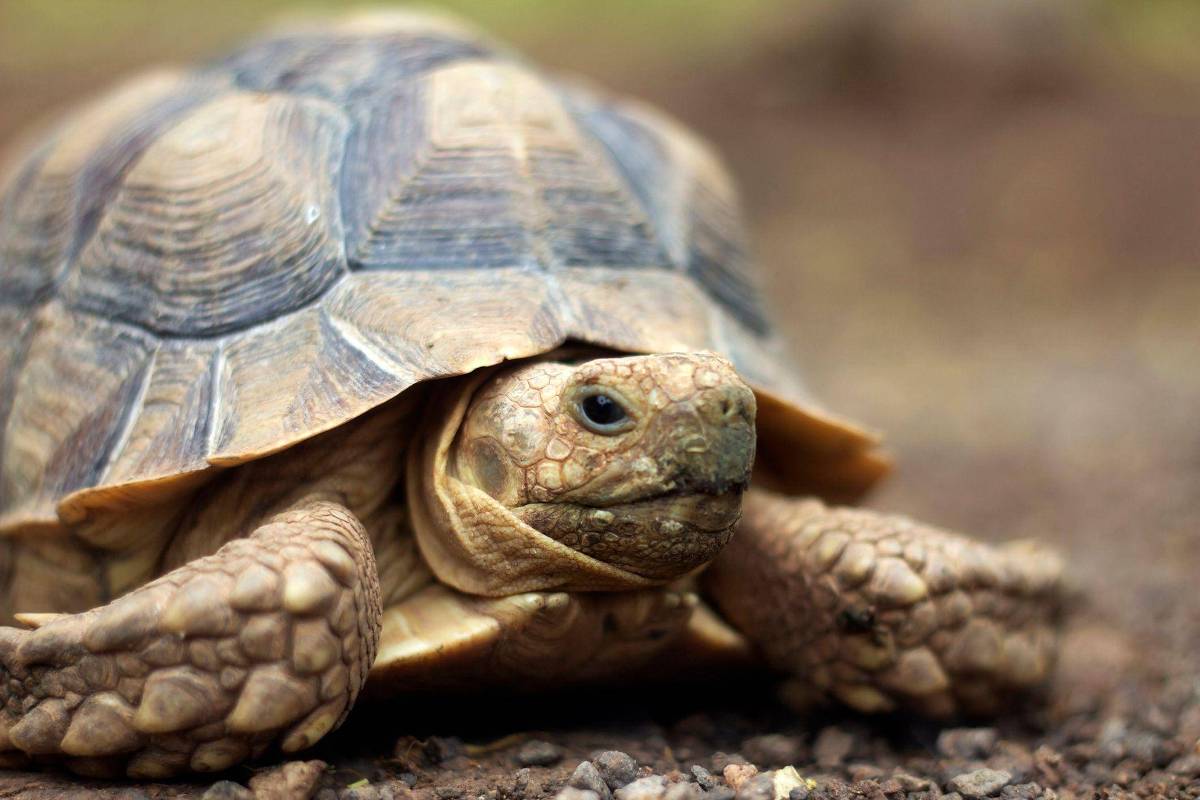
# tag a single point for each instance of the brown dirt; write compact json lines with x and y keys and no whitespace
{"x":989,"y":251}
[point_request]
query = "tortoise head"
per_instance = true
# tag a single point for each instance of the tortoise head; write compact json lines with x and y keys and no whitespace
{"x":608,"y":473}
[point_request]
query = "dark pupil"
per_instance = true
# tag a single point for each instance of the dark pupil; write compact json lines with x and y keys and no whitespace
{"x":602,"y":409}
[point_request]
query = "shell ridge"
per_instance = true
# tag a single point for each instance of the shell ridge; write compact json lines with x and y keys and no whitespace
{"x":307,"y":57}
{"x":673,"y":177}
{"x":8,"y":390}
{"x":635,"y":185}
{"x":220,"y":335}
{"x":339,"y":194}
{"x":22,"y":182}
{"x":65,"y":472}
{"x":90,"y":182}
{"x":334,"y":335}
{"x":170,"y":433}
{"x":612,"y":228}
{"x":92,"y":198}
{"x":227,"y":220}
{"x":363,"y":232}
{"x":535,"y":213}
{"x":716,"y":272}
{"x":354,"y":338}
{"x":561,"y":306}
{"x":215,"y":400}
{"x":133,"y":409}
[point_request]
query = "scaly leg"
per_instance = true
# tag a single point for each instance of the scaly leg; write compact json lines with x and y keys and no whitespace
{"x":883,"y":613}
{"x":266,"y":641}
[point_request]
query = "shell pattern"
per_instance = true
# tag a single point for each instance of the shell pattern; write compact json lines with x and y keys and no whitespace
{"x":203,"y":267}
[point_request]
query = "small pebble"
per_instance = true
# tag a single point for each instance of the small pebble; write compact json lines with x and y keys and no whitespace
{"x":587,"y":777}
{"x":1188,"y":766}
{"x":290,"y":780}
{"x":521,"y":780}
{"x":364,"y":792}
{"x":1015,"y":759}
{"x":737,"y":774}
{"x":682,"y":791}
{"x":863,"y":772}
{"x":786,"y":781}
{"x":575,"y":793}
{"x":832,"y":746}
{"x":652,"y":787}
{"x":980,"y":783}
{"x":703,"y":777}
{"x":617,"y":768}
{"x":757,"y":787}
{"x":967,"y":743}
{"x":720,"y":793}
{"x":911,"y":783}
{"x":442,"y":748}
{"x":722,"y":760}
{"x":1113,"y":730}
{"x":1146,"y":747}
{"x":1189,"y":724}
{"x":227,"y":790}
{"x":538,"y":753}
{"x":1022,"y":791}
{"x":773,"y":750}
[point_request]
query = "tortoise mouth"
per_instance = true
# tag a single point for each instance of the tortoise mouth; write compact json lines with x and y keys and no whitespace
{"x":661,"y":536}
{"x":710,"y":511}
{"x":682,"y":487}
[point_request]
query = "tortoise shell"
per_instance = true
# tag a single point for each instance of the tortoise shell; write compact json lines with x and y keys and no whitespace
{"x":205,"y":267}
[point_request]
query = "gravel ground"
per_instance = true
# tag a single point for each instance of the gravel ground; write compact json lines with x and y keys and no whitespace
{"x":1087,"y":739}
{"x":996,"y":248}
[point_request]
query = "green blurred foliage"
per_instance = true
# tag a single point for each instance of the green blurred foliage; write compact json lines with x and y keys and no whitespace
{"x":72,"y":36}
{"x":1161,"y":33}
{"x":38,"y":33}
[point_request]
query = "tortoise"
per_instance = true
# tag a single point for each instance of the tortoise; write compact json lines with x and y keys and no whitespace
{"x":370,"y":356}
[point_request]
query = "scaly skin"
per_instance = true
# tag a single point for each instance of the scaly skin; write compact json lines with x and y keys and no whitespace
{"x":881,"y":613}
{"x":270,"y":638}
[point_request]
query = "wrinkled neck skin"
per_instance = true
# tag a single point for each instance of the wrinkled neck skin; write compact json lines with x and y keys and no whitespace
{"x":515,"y":488}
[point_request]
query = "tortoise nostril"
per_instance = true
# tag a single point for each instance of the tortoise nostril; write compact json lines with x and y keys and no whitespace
{"x":725,"y":406}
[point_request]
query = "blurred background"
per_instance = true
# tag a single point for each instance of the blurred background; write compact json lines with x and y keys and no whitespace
{"x":978,"y":223}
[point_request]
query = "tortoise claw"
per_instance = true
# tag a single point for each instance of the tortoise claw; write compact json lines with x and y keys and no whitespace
{"x":34,"y":621}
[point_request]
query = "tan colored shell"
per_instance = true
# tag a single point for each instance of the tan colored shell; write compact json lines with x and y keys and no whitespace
{"x":202,"y":268}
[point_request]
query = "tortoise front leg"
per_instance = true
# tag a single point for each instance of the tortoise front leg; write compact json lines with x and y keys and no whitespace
{"x":882,"y":613}
{"x":268,"y":640}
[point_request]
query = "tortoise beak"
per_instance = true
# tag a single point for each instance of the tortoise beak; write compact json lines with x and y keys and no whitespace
{"x":715,"y":439}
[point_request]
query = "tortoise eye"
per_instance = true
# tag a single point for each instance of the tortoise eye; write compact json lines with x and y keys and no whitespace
{"x":600,"y":412}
